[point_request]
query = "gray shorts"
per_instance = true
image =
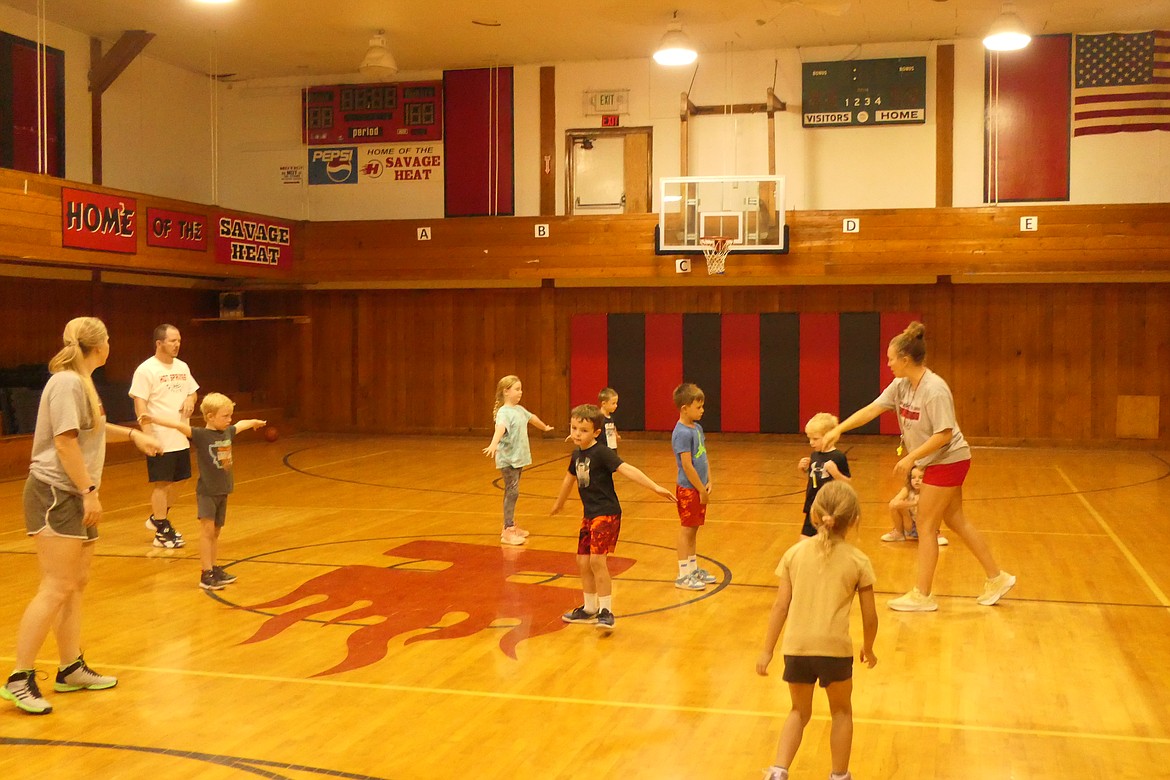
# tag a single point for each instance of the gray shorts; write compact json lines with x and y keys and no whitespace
{"x":212,"y":508}
{"x":58,"y":510}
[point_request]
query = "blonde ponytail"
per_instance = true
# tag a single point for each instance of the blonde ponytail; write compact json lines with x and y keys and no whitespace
{"x":501,"y":386}
{"x":834,"y":511}
{"x":81,"y":336}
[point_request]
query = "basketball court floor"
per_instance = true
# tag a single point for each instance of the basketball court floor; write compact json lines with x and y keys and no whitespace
{"x":379,"y":630}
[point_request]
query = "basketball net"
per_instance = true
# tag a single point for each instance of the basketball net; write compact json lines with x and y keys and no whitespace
{"x":715,"y":249}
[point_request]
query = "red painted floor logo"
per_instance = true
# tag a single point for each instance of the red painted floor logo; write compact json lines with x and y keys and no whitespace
{"x":487,"y":583}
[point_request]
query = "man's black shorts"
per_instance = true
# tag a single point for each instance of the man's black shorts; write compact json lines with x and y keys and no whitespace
{"x":169,"y":467}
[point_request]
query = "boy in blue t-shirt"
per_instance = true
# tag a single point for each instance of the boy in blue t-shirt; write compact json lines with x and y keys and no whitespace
{"x":694,"y":484}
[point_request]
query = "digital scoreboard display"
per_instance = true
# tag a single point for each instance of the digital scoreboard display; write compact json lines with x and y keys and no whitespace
{"x":372,"y":113}
{"x":859,"y":93}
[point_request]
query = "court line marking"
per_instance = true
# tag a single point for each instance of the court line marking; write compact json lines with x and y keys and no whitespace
{"x":1125,"y":551}
{"x":633,"y":705}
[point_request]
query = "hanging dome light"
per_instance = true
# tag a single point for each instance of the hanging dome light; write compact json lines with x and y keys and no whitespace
{"x":676,"y":47}
{"x":1007,"y":32}
{"x":379,"y":62}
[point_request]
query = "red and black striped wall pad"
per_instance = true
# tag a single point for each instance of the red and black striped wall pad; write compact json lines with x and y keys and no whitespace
{"x":761,"y":373}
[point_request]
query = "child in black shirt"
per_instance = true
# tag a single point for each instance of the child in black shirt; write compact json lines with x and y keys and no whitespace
{"x":592,"y":466}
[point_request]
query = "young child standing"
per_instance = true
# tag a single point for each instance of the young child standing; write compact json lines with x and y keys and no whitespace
{"x":823,"y":466}
{"x":694,"y":484}
{"x":904,"y":511}
{"x":818,"y":579}
{"x":510,"y":449}
{"x":213,"y":451}
{"x":607,"y":401}
{"x":592,"y":466}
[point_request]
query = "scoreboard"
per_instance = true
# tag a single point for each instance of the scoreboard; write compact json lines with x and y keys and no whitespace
{"x":856,"y":93}
{"x":372,"y":113}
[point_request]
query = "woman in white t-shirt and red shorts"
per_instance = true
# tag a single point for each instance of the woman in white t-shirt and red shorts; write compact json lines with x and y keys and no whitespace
{"x":931,"y":440}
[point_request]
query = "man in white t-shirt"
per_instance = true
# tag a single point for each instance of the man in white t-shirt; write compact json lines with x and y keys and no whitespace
{"x":164,"y":389}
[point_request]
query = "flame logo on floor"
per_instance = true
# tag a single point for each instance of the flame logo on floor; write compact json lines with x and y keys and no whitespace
{"x":489,"y":585}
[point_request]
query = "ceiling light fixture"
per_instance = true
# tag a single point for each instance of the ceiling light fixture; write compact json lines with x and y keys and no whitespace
{"x":676,"y":47}
{"x":379,"y":62}
{"x":1007,"y":31}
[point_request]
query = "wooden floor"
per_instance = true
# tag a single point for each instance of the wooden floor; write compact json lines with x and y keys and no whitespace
{"x":378,"y":630}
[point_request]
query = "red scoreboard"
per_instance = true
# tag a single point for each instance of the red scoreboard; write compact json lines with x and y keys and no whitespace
{"x":372,"y":113}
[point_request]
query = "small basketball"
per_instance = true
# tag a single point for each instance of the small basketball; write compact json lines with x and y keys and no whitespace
{"x":270,"y":433}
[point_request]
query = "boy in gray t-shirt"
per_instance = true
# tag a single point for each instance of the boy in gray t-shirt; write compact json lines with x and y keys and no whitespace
{"x":213,"y":451}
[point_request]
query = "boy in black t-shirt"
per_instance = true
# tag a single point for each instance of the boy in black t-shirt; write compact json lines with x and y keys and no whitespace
{"x":822,"y":466}
{"x":592,"y":466}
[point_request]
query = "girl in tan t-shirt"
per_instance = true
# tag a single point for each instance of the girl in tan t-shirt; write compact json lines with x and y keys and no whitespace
{"x":818,"y":578}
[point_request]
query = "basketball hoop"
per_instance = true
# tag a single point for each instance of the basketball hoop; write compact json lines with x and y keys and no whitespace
{"x":715,"y":248}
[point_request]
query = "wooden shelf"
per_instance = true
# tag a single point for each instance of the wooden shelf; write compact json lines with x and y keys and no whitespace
{"x":299,"y":319}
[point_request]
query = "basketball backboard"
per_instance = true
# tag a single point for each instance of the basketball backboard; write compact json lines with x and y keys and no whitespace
{"x":747,"y":209}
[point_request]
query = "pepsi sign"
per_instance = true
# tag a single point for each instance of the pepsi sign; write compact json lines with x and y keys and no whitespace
{"x":333,"y":165}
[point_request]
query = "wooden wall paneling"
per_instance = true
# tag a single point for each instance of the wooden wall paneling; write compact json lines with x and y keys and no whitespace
{"x":1159,"y":354}
{"x":1035,"y":346}
{"x":1107,"y":346}
{"x":368,"y":353}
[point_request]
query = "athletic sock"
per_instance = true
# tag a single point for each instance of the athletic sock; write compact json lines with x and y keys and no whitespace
{"x":683,"y":569}
{"x":590,"y":602}
{"x":692,"y":563}
{"x":605,"y":602}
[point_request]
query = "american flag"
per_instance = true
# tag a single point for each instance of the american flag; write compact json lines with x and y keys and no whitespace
{"x":1123,"y":83}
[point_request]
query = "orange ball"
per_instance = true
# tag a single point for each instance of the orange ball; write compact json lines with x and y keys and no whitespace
{"x":270,"y":433}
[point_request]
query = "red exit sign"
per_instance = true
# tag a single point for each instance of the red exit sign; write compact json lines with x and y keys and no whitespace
{"x":609,"y":120}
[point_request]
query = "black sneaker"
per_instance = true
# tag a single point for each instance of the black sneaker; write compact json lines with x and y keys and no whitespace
{"x":77,"y":676}
{"x":164,"y":532}
{"x":21,"y":689}
{"x":579,"y":615}
{"x":208,"y":581}
{"x":222,"y":575}
{"x":605,"y":620}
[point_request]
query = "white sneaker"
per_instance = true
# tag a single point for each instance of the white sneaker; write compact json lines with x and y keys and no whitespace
{"x":913,"y":601}
{"x":511,"y":537}
{"x":775,"y":773}
{"x":689,"y":582}
{"x":942,"y":541}
{"x":893,"y":536}
{"x":995,"y":588}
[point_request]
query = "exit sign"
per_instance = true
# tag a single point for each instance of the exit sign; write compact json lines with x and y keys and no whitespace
{"x":611,"y":101}
{"x":609,"y":120}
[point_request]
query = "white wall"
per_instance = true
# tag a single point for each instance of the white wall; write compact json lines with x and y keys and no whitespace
{"x":157,"y":131}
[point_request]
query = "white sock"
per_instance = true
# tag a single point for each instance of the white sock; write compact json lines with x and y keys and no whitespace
{"x":605,"y":602}
{"x":842,"y":776}
{"x":590,"y":602}
{"x":692,"y":563}
{"x":682,"y":568}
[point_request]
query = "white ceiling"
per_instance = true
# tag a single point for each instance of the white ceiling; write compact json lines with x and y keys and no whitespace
{"x":270,"y":38}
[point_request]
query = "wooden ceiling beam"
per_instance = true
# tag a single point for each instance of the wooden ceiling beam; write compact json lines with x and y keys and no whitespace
{"x":104,"y":72}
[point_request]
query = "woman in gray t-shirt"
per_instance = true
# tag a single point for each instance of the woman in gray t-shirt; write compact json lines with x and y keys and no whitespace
{"x":931,"y":440}
{"x":62,"y":509}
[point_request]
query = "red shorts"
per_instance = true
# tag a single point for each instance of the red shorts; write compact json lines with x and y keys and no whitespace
{"x":692,"y":513}
{"x":599,"y":535}
{"x":947,"y":474}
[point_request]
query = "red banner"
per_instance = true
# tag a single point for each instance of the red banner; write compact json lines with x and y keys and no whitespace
{"x":90,"y":220}
{"x":253,"y":241}
{"x":176,"y":229}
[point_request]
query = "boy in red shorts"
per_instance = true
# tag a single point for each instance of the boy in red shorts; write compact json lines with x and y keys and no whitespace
{"x":592,"y":466}
{"x":694,"y":484}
